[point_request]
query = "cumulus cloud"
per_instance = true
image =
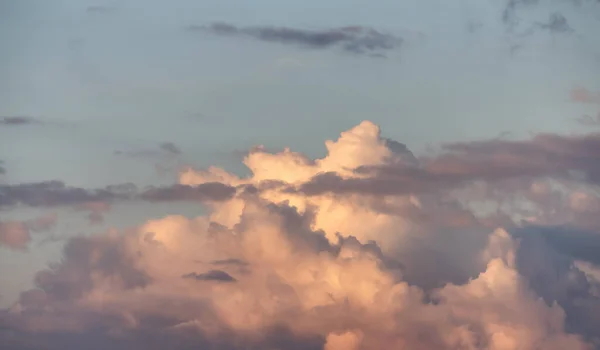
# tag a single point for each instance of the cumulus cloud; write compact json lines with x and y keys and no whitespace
{"x":386,"y":250}
{"x":352,"y":39}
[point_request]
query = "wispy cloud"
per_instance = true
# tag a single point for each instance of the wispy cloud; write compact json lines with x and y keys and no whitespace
{"x":17,"y":120}
{"x":352,"y":39}
{"x":557,"y":23}
{"x":588,"y":120}
{"x":583,"y":95}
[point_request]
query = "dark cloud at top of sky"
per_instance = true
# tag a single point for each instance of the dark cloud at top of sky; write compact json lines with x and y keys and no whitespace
{"x":352,"y":39}
{"x":17,"y":120}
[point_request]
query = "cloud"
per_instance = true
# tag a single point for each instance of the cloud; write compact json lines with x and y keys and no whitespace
{"x":2,"y":168}
{"x":17,"y":121}
{"x":212,"y":275}
{"x":209,"y":191}
{"x":583,"y":95}
{"x":164,"y":148}
{"x":170,"y":147}
{"x":509,"y":13}
{"x":588,"y":120}
{"x":14,"y":234}
{"x":17,"y":234}
{"x":557,"y":23}
{"x":96,"y":211}
{"x":352,"y":39}
{"x":55,"y":193}
{"x":97,"y":201}
{"x":485,"y":245}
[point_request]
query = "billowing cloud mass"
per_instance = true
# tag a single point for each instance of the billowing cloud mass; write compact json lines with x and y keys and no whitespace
{"x":488,"y":245}
{"x":352,"y":39}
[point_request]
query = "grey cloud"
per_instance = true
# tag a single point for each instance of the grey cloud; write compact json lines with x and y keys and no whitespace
{"x":546,"y":155}
{"x":352,"y":39}
{"x":96,"y":211}
{"x":2,"y":168}
{"x":588,"y":120}
{"x":56,"y":193}
{"x":85,"y":256}
{"x":17,"y":120}
{"x":170,"y":147}
{"x":509,"y":14}
{"x":53,"y":193}
{"x":557,"y":23}
{"x":213,"y":191}
{"x":232,"y":261}
{"x":164,"y":148}
{"x":545,"y":258}
{"x":212,"y":275}
{"x":149,"y":337}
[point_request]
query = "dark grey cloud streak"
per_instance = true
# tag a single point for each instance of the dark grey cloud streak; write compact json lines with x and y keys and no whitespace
{"x":351,"y":39}
{"x":17,"y":120}
{"x":212,"y":275}
{"x":57,"y":193}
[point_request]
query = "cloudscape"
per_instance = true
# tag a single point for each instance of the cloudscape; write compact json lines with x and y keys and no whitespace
{"x":318,"y":175}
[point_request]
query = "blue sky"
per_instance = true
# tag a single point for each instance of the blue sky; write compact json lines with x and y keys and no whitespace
{"x":132,"y":75}
{"x":100,"y":77}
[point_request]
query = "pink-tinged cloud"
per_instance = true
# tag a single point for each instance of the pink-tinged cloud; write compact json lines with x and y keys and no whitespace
{"x":367,"y":248}
{"x":583,"y":95}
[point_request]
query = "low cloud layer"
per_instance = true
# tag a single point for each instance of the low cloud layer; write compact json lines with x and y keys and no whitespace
{"x":487,"y":245}
{"x":352,"y":39}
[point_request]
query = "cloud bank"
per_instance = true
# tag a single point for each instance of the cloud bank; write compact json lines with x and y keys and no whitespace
{"x":487,"y":245}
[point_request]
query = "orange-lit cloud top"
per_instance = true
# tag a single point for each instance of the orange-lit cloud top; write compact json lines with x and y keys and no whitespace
{"x":367,"y":248}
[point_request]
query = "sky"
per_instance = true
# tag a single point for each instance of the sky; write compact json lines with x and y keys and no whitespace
{"x":300,"y":174}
